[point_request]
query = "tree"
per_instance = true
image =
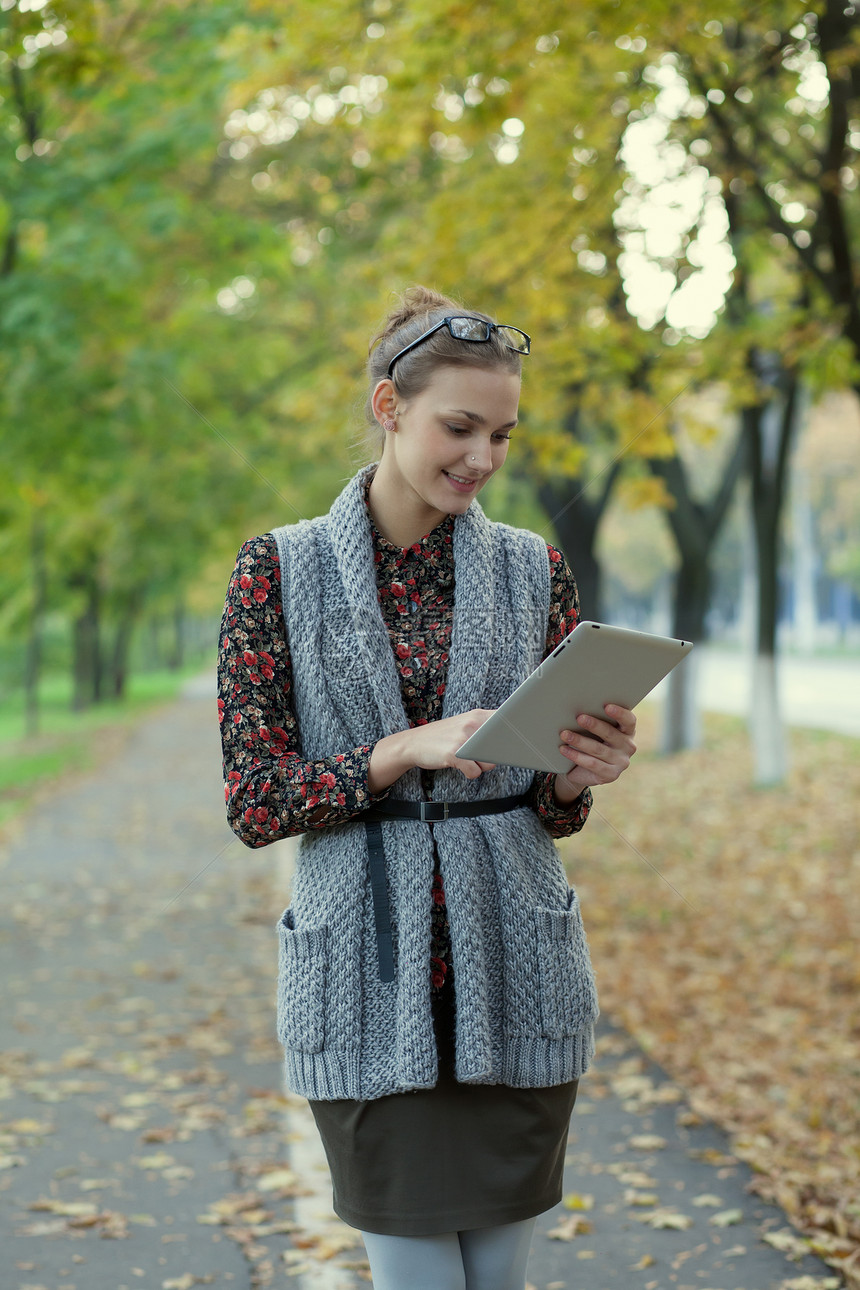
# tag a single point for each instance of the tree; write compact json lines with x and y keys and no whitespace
{"x":695,"y":525}
{"x":112,"y":260}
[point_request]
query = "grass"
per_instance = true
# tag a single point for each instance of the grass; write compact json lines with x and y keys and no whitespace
{"x":722,"y":923}
{"x":72,"y":741}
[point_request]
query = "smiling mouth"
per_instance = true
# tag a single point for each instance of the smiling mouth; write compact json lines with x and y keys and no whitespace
{"x":460,"y":479}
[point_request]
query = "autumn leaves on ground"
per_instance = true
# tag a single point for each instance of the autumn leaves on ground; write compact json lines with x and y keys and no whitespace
{"x":743,"y":981}
{"x":721,"y":921}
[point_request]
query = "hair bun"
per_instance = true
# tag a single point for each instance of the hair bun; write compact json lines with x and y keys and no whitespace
{"x":415,"y":302}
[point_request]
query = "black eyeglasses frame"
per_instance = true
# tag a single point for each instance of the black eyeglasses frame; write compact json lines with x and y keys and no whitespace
{"x":471,"y":340}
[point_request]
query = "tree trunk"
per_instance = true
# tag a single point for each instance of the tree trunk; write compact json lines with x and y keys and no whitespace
{"x":176,"y":654}
{"x":87,"y":666}
{"x":33,"y":660}
{"x":695,"y":526}
{"x":118,"y":667}
{"x":805,"y":615}
{"x":769,"y":428}
{"x":681,"y":718}
{"x":576,"y":520}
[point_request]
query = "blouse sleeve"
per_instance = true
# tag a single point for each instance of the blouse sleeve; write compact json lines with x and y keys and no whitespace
{"x":271,"y":791}
{"x":560,"y":821}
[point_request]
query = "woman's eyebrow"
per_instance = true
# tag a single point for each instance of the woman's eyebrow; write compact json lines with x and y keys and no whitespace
{"x":478,"y":419}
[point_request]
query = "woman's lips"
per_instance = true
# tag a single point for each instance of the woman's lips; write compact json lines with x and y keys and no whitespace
{"x":462,"y":486}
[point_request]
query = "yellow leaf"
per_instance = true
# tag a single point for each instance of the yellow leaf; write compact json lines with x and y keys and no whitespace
{"x":569,"y":1228}
{"x":276,"y":1179}
{"x":575,"y":1201}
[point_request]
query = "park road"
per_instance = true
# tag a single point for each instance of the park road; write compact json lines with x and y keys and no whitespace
{"x":144,"y":1137}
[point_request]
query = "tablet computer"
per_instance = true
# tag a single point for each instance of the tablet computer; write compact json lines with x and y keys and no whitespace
{"x":595,"y":664}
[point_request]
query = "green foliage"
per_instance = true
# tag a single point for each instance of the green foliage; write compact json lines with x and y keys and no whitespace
{"x":205,"y":207}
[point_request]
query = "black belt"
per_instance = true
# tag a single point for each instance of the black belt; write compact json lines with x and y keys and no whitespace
{"x":426,"y":813}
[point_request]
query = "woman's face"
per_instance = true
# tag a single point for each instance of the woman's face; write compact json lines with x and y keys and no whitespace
{"x":451,"y":438}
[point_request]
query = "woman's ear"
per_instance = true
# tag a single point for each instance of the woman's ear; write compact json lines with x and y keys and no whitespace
{"x":383,"y":401}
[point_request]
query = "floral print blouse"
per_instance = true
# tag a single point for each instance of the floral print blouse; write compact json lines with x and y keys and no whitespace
{"x":270,"y":790}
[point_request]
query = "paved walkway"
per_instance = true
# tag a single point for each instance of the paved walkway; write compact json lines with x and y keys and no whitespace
{"x":820,"y":693}
{"x":144,"y":1138}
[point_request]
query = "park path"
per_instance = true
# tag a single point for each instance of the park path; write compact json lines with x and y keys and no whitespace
{"x":819,"y":693}
{"x":144,"y":1137}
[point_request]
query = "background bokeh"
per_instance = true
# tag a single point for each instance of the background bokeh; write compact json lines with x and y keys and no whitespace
{"x":205,"y":211}
{"x":206,"y":207}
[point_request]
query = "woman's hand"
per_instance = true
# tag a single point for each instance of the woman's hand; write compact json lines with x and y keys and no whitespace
{"x":599,"y":756}
{"x":430,"y":747}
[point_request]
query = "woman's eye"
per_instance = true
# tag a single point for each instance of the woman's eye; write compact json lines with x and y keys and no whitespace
{"x":459,"y":429}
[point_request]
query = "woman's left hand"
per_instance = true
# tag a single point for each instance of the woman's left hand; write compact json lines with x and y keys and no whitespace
{"x":599,"y":756}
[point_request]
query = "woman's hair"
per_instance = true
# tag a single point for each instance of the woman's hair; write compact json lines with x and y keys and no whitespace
{"x":415,"y":312}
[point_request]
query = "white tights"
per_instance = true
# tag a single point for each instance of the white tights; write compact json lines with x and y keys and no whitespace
{"x":486,"y":1258}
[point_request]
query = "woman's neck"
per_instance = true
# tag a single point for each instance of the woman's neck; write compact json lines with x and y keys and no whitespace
{"x":401,"y":518}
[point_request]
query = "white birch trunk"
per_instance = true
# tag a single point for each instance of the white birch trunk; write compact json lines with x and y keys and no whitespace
{"x":681,"y":717}
{"x":749,"y":583}
{"x":767,"y":731}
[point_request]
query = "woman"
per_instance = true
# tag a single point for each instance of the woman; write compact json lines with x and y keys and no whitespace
{"x":436,"y":1000}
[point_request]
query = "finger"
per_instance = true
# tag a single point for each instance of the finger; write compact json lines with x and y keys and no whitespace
{"x":590,"y":744}
{"x":599,"y":770}
{"x":594,"y":755}
{"x":471,"y":769}
{"x":624,"y":716}
{"x":605,"y":731}
{"x":486,"y":765}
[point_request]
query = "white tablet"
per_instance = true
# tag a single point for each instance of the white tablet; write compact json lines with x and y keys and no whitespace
{"x":595,"y":664}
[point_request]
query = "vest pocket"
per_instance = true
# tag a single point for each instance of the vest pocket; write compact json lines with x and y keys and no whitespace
{"x":568,"y":997}
{"x":301,"y":985}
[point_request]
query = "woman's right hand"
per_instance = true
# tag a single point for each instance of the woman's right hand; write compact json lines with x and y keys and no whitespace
{"x":429,"y":747}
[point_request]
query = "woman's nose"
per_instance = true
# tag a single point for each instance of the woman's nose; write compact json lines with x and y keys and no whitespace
{"x":479,"y":455}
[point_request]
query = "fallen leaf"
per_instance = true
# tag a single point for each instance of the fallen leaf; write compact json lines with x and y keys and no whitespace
{"x":787,"y":1241}
{"x":647,"y":1261}
{"x":727,"y":1218}
{"x":707,"y":1199}
{"x":811,"y":1283}
{"x":29,"y":1126}
{"x":576,"y":1201}
{"x":666,"y":1218}
{"x":647,"y":1142}
{"x":158,"y":1160}
{"x":186,"y":1281}
{"x":569,"y":1228}
{"x":711,"y":1156}
{"x":635,"y":1178}
{"x":275,"y":1180}
{"x":68,"y":1208}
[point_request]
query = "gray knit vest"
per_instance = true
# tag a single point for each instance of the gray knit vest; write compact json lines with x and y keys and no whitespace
{"x":526,"y":1000}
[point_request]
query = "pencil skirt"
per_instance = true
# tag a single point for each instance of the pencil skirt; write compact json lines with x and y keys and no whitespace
{"x":450,"y":1158}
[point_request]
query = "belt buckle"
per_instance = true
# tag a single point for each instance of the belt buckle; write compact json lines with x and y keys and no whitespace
{"x":432,"y":818}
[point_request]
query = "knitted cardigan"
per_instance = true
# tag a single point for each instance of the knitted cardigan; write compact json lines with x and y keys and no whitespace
{"x":526,"y":999}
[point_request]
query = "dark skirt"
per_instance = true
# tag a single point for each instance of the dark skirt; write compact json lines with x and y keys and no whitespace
{"x":446,"y":1159}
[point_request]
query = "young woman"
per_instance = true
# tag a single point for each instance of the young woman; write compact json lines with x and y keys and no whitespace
{"x":436,"y":1000}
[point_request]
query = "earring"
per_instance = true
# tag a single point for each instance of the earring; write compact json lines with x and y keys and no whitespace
{"x":389,"y":424}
